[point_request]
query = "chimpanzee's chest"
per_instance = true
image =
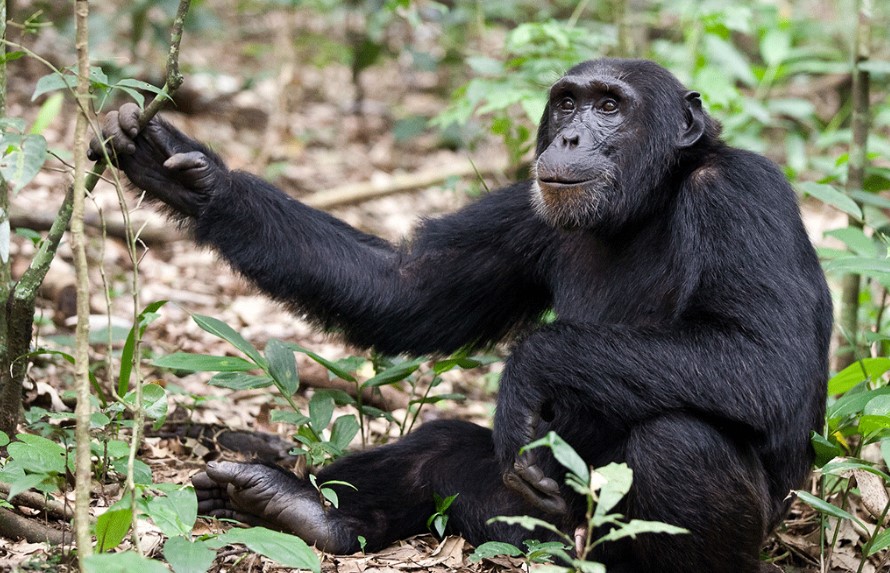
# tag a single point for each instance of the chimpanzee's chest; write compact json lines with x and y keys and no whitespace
{"x":635,"y":282}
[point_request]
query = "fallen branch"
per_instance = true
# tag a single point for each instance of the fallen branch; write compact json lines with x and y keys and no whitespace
{"x":151,"y":233}
{"x":36,"y":501}
{"x":15,"y":526}
{"x":352,"y":193}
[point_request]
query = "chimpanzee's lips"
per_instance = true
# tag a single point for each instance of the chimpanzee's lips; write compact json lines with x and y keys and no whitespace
{"x":563,"y":183}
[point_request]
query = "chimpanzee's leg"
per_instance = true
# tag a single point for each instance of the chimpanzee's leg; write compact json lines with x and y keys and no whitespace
{"x":393,"y":497}
{"x":689,"y":473}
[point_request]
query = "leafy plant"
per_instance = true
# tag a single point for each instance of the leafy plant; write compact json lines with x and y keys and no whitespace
{"x":438,"y":521}
{"x":603,"y":488}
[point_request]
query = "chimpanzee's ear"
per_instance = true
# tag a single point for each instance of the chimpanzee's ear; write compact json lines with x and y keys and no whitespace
{"x":543,"y":132}
{"x":695,"y":121}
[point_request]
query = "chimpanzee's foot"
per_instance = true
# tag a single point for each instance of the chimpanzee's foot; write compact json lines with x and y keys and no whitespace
{"x":257,"y":494}
{"x":527,"y":479}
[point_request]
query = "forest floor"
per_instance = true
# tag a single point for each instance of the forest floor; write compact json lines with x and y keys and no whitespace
{"x":299,"y":124}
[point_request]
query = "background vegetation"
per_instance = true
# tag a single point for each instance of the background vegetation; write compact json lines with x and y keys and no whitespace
{"x":346,"y":104}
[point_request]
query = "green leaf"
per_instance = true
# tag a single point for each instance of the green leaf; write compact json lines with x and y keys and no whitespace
{"x":491,"y":549}
{"x":287,"y":550}
{"x":856,"y":373}
{"x":829,"y":195}
{"x":174,"y":513}
{"x":111,"y":528}
{"x":36,"y":454}
{"x":23,"y":483}
{"x":52,"y":82}
{"x":241,"y":381}
{"x":343,"y":431}
{"x":146,"y":317}
{"x":856,"y":240}
{"x":222,"y":330}
{"x":870,"y":266}
{"x":823,"y":506}
{"x":394,"y":374}
{"x":825,"y":449}
{"x":618,"y":481}
{"x":331,"y":496}
{"x":880,"y":542}
{"x":330,"y":366}
{"x":4,"y":439}
{"x":638,"y":526}
{"x":21,"y":158}
{"x":154,"y":401}
{"x":321,"y":408}
{"x":188,"y":557}
{"x":289,"y":417}
{"x":126,"y":562}
{"x":564,"y":454}
{"x":775,"y":46}
{"x":282,"y":366}
{"x":203,"y":363}
{"x":48,"y":112}
{"x":529,"y":523}
{"x":876,"y":67}
{"x":853,"y":403}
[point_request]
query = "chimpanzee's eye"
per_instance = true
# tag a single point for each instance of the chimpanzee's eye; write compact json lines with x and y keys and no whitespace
{"x":566,"y":104}
{"x":608,"y":105}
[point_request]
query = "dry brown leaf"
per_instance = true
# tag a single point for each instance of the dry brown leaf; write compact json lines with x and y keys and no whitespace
{"x":872,"y":492}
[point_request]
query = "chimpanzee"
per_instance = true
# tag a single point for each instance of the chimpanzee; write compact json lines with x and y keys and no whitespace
{"x":691,"y":336}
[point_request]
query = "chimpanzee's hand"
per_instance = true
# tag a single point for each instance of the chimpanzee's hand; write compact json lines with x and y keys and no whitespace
{"x":161,"y":160}
{"x":516,"y":424}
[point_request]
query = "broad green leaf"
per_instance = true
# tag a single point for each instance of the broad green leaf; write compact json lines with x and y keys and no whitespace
{"x":491,"y":549}
{"x":853,"y":403}
{"x":4,"y":439}
{"x":829,"y":195}
{"x":321,"y":408}
{"x":638,"y":526}
{"x":52,"y":82}
{"x":856,"y":240}
{"x":282,"y":366}
{"x":331,"y":496}
{"x":203,"y":363}
{"x":869,"y":266}
{"x":868,"y":424}
{"x":289,"y":417}
{"x":775,"y":46}
{"x":618,"y":480}
{"x":825,"y":449}
{"x":21,"y":158}
{"x":564,"y":454}
{"x":343,"y":431}
{"x":876,"y":67}
{"x":126,"y":562}
{"x":828,"y":509}
{"x":527,"y":522}
{"x":188,"y":557}
{"x":111,"y":528}
{"x":48,"y":112}
{"x":240,"y":381}
{"x":37,"y":454}
{"x":174,"y":513}
{"x":154,"y":401}
{"x":878,"y":406}
{"x":287,"y":550}
{"x":856,"y":373}
{"x":144,"y":86}
{"x":222,"y":330}
{"x":23,"y":482}
{"x":394,"y":374}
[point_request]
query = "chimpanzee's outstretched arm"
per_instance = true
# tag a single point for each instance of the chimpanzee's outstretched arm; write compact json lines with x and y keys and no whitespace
{"x":467,"y":278}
